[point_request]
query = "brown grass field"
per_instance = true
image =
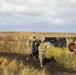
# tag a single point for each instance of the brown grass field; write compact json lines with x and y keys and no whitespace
{"x":13,"y":53}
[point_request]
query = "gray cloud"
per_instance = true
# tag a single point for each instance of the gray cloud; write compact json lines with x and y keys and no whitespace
{"x":38,"y":12}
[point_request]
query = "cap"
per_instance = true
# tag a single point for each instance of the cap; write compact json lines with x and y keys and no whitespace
{"x":42,"y":38}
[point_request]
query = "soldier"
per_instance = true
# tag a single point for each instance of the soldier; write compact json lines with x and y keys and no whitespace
{"x":35,"y":46}
{"x":72,"y":47}
{"x":42,"y":48}
{"x":29,"y":46}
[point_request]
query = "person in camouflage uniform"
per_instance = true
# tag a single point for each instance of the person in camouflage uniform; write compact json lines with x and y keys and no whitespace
{"x":29,"y":46}
{"x":42,"y":50}
{"x":72,"y":47}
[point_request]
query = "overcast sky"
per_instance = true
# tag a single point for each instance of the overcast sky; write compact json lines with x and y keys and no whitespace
{"x":38,"y":15}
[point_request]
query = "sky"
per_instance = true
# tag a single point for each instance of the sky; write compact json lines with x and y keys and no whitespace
{"x":38,"y":15}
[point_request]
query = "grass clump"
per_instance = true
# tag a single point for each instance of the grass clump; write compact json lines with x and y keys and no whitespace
{"x":63,"y":56}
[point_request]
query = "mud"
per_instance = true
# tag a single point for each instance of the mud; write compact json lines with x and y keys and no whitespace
{"x":52,"y":66}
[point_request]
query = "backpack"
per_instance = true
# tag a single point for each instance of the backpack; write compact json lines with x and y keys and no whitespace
{"x":35,"y":45}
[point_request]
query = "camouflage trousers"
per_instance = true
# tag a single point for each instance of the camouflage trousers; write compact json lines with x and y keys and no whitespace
{"x":41,"y":57}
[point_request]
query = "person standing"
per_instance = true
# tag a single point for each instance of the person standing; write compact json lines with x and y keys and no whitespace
{"x":42,"y":48}
{"x":29,"y":46}
{"x":72,"y":47}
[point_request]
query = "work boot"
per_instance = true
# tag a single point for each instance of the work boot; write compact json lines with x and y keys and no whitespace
{"x":27,"y":58}
{"x":34,"y":58}
{"x":41,"y":66}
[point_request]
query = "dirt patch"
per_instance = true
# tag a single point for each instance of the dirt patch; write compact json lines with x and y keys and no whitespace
{"x":53,"y":68}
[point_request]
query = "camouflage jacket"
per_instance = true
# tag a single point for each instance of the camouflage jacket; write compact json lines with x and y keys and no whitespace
{"x":41,"y":47}
{"x":45,"y":46}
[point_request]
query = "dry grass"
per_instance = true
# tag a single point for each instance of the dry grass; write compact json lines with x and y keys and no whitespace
{"x":65,"y":57}
{"x":15,"y":68}
{"x":16,"y":43}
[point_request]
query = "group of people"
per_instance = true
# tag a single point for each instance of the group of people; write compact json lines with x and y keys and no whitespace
{"x":37,"y":47}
